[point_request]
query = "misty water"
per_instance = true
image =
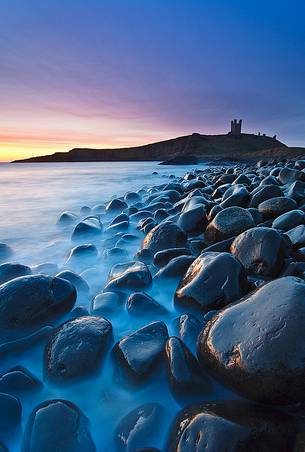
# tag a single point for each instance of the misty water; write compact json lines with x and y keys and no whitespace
{"x":32,"y":198}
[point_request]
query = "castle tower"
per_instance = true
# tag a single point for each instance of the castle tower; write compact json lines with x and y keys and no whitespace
{"x":236,"y":127}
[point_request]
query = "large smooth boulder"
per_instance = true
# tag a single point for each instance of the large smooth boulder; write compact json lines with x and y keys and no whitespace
{"x":262,"y":193}
{"x":140,"y":352}
{"x":116,"y":205}
{"x":162,"y":258}
{"x":88,"y":228}
{"x":78,"y":282}
{"x":76,"y":348}
{"x":176,"y":267}
{"x":57,"y":425}
{"x":193,"y":220}
{"x":163,"y":236}
{"x":297,"y":236}
{"x":257,"y":346}
{"x":261,"y":251}
{"x":236,"y":195}
{"x":187,"y":327}
{"x":272,"y":208}
{"x":138,"y":428}
{"x":186,"y":378}
{"x":289,"y":220}
{"x":10,"y":413}
{"x":212,"y":281}
{"x":19,"y":381}
{"x":230,"y":426}
{"x":32,"y":301}
{"x":11,"y":270}
{"x":141,"y":304}
{"x":228,"y":223}
{"x":130,"y":276}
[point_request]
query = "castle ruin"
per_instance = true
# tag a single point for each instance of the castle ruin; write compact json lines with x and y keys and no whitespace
{"x":236,"y":127}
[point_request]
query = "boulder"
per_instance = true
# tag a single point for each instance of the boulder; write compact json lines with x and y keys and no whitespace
{"x":130,"y":276}
{"x":289,"y":220}
{"x":236,"y":195}
{"x":88,"y":228}
{"x":228,"y":223}
{"x":76,"y":348}
{"x":77,"y":281}
{"x":263,"y":193}
{"x":176,"y":267}
{"x":138,"y":428}
{"x":33,"y":301}
{"x":67,"y":218}
{"x":19,"y":381}
{"x":106,"y":303}
{"x":230,"y":426}
{"x":10,"y":413}
{"x":193,"y":220}
{"x":142,"y":304}
{"x":57,"y":425}
{"x":116,"y":205}
{"x":297,"y":236}
{"x":261,"y":251}
{"x":163,"y":236}
{"x":139,"y":353}
{"x":257,"y":346}
{"x":5,"y":251}
{"x":162,"y":258}
{"x":188,"y":327}
{"x":10,"y":271}
{"x":273,"y":208}
{"x":212,"y":281}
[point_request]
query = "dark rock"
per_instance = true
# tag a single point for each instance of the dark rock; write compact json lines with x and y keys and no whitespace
{"x":106,"y":302}
{"x":132,"y":197}
{"x":263,"y":193}
{"x":10,"y":271}
{"x":256,"y":346}
{"x":19,"y":381}
{"x":116,"y":205}
{"x":273,"y":208}
{"x":220,"y":247}
{"x":230,"y":426}
{"x":185,"y":376}
{"x":67,"y":218}
{"x":138,"y":428}
{"x":212,"y":281}
{"x":176,"y":267}
{"x":162,"y":258}
{"x":163,"y":236}
{"x":85,"y":210}
{"x":123,"y":217}
{"x":79,"y":311}
{"x":148,"y":227}
{"x":261,"y":251}
{"x":87,"y":252}
{"x":140,"y":352}
{"x":188,"y":327}
{"x":288,"y":175}
{"x":77,"y":281}
{"x":31,"y":301}
{"x":76,"y":348}
{"x":89,"y":228}
{"x":228,"y":223}
{"x":236,"y":195}
{"x":142,"y":304}
{"x":160,"y":215}
{"x":289,"y":220}
{"x":117,"y":227}
{"x":213,"y":212}
{"x":57,"y":425}
{"x":130,"y":275}
{"x":256,"y":215}
{"x":115,"y":252}
{"x":193,"y":220}
{"x":296,"y":191}
{"x":145,"y":256}
{"x":10,"y":412}
{"x":297,"y":236}
{"x":196,"y":246}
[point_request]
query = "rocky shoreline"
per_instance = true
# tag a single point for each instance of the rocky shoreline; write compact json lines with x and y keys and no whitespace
{"x":207,"y":276}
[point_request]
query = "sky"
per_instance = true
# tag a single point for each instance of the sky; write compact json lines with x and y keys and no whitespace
{"x":111,"y":73}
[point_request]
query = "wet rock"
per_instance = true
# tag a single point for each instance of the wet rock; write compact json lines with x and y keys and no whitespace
{"x":19,"y":381}
{"x":10,"y":412}
{"x":296,"y":191}
{"x":163,"y":236}
{"x":47,"y":268}
{"x":297,"y":236}
{"x":31,"y":301}
{"x":256,"y":215}
{"x":140,"y":352}
{"x":193,"y":220}
{"x":5,"y":251}
{"x":99,"y":208}
{"x":138,"y":428}
{"x":116,"y":253}
{"x":10,"y":271}
{"x":106,"y":302}
{"x":236,"y":195}
{"x":116,"y":205}
{"x":130,"y":275}
{"x":81,"y":253}
{"x":85,"y":210}
{"x":261,"y":251}
{"x":67,"y":218}
{"x":263,"y":193}
{"x":186,"y":378}
{"x":228,"y":223}
{"x":289,"y":220}
{"x":176,"y":267}
{"x":69,"y":432}
{"x":230,"y":426}
{"x":77,"y":281}
{"x":188,"y":327}
{"x":142,"y":304}
{"x":162,"y":258}
{"x":145,"y":256}
{"x":117,"y":227}
{"x":213,"y":212}
{"x":256,"y":346}
{"x":273,"y":208}
{"x":288,"y":175}
{"x":123,"y":217}
{"x":220,"y":247}
{"x":196,"y":246}
{"x":79,"y":311}
{"x":212,"y":281}
{"x":89,"y":228}
{"x":76,"y":348}
{"x":160,"y":215}
{"x":132,"y":197}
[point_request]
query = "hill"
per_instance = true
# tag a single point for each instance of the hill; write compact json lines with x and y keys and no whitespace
{"x":201,"y":147}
